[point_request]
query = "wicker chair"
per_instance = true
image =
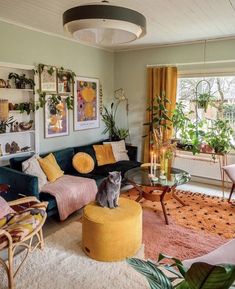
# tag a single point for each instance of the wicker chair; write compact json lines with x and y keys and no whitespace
{"x":27,"y":242}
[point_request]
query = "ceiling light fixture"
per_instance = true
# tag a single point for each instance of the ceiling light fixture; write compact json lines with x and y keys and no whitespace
{"x":104,"y":24}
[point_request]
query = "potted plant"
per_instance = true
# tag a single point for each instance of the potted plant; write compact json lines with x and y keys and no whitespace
{"x":15,"y":78}
{"x":220,"y":136}
{"x":198,"y":276}
{"x":203,"y":100}
{"x":109,"y":119}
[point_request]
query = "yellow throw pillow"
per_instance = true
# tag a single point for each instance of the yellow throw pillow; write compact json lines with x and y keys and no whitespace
{"x":51,"y":168}
{"x":83,"y":163}
{"x":104,"y":154}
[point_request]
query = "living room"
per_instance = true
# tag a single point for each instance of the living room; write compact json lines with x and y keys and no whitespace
{"x":142,"y":101}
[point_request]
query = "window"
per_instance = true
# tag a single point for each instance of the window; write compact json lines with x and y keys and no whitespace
{"x":222,"y":104}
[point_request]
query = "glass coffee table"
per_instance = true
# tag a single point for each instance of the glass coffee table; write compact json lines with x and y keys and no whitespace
{"x":157,"y":189}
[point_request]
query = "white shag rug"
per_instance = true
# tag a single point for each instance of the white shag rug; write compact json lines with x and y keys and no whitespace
{"x":63,"y":265}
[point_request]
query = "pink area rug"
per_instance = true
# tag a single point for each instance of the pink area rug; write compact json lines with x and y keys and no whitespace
{"x":175,"y":240}
{"x":194,"y":230}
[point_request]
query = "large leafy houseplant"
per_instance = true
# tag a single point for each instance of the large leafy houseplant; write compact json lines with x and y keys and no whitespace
{"x":220,"y":136}
{"x":109,"y":118}
{"x":198,"y":276}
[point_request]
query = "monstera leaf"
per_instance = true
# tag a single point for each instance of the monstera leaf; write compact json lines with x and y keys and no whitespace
{"x":206,"y":276}
{"x":155,"y":277}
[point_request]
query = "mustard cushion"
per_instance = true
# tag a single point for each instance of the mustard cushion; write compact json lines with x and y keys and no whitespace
{"x":50,"y":167}
{"x":104,"y":154}
{"x":116,"y":233}
{"x":83,"y":163}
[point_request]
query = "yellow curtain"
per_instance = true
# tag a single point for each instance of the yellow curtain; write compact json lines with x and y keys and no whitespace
{"x":160,"y":81}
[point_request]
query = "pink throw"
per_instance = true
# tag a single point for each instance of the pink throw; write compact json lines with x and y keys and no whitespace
{"x":71,"y":193}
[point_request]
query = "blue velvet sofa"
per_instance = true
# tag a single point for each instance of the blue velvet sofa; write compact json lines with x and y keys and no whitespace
{"x":27,"y":185}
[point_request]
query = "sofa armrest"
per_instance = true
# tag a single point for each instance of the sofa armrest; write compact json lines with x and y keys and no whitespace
{"x":132,"y":152}
{"x":20,"y":183}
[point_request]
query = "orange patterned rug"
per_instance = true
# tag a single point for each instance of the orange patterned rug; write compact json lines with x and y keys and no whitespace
{"x":202,"y":213}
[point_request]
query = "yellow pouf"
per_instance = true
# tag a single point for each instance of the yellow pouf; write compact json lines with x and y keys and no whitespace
{"x":112,"y":234}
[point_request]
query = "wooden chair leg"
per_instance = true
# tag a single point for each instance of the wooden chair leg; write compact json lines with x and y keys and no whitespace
{"x":231,"y":193}
{"x":10,"y":268}
{"x":41,"y":239}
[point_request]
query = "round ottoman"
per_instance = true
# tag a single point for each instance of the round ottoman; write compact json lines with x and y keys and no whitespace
{"x":112,"y":234}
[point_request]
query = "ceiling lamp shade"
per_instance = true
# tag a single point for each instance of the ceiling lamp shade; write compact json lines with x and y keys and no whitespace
{"x":104,"y":24}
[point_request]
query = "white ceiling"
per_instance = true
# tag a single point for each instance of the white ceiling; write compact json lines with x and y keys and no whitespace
{"x":168,"y":21}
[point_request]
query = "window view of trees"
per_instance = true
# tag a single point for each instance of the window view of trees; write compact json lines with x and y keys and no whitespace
{"x":204,"y":118}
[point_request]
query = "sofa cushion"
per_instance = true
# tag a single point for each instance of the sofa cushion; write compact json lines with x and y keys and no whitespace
{"x":121,"y":166}
{"x":104,"y":154}
{"x":83,"y":163}
{"x":32,"y":167}
{"x":51,"y":168}
{"x":64,"y":159}
{"x":86,"y":149}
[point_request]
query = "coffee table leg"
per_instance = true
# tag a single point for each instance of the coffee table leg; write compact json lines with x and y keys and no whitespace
{"x":177,"y":198}
{"x":140,"y":191}
{"x":163,"y":205}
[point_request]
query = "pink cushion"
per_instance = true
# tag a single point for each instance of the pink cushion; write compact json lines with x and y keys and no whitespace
{"x":225,"y":254}
{"x":230,"y":171}
{"x":5,"y":209}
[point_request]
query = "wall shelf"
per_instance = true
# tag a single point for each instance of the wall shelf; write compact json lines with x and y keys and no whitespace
{"x":28,"y":138}
{"x":7,"y":156}
{"x":16,"y":89}
{"x":18,"y":132}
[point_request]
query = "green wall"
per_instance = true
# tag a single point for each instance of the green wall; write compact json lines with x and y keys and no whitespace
{"x":130,"y":72}
{"x":22,"y":46}
{"x":124,"y":69}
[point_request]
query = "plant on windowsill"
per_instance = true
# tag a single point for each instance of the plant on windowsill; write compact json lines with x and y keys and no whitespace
{"x":198,"y":276}
{"x":220,"y":136}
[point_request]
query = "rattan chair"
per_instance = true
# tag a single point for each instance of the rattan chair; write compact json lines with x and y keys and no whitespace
{"x":26,"y":242}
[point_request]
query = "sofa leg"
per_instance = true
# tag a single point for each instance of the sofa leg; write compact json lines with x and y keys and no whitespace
{"x":231,"y":193}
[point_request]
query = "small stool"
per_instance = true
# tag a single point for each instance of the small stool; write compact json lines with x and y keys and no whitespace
{"x":112,"y":234}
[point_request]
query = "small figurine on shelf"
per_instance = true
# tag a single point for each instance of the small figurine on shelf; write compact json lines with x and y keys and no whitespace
{"x":14,"y":148}
{"x":7,"y":148}
{"x":8,"y":84}
{"x":25,"y":149}
{"x":16,"y":127}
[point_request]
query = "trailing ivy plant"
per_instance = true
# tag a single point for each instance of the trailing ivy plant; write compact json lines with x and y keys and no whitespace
{"x":55,"y":99}
{"x":199,"y":276}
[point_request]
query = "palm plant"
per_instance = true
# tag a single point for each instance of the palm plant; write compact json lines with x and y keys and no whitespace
{"x":198,"y":276}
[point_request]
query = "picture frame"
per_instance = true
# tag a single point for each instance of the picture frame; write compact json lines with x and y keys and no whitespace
{"x":86,"y":103}
{"x":48,"y":79}
{"x":65,"y":82}
{"x":56,"y":118}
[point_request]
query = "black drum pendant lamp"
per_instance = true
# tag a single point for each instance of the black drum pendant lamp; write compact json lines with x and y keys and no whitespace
{"x":104,"y":24}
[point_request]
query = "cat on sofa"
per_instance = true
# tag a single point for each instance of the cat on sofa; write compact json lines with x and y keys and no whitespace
{"x":109,"y":190}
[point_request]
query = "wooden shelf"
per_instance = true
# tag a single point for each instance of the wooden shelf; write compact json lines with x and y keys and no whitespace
{"x":17,"y":132}
{"x":16,"y":89}
{"x":7,"y":156}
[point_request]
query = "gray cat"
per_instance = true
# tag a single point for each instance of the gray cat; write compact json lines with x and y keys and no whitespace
{"x":109,"y":190}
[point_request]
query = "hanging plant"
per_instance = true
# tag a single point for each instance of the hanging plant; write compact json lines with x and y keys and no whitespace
{"x":203,"y":100}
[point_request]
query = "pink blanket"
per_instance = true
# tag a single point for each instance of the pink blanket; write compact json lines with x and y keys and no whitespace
{"x":71,"y":193}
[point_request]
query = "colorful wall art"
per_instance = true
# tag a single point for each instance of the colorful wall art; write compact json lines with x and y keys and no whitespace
{"x":56,"y":117}
{"x":86,"y":103}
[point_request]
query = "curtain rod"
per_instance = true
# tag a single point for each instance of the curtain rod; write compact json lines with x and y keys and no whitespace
{"x":190,"y":63}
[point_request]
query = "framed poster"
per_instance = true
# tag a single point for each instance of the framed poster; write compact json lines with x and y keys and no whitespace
{"x":86,"y":103}
{"x":56,"y":117}
{"x":65,"y":82}
{"x":48,"y":79}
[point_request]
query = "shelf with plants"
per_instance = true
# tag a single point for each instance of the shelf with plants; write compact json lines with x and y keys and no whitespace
{"x":18,"y":119}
